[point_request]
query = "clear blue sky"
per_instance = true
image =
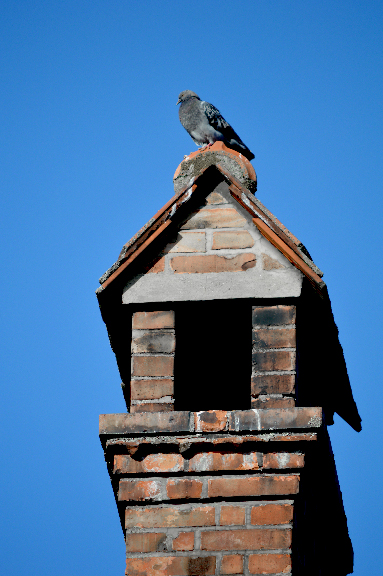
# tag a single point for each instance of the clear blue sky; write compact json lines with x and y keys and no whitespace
{"x":90,"y":142}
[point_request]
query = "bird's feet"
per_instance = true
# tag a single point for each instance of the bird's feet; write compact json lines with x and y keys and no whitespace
{"x":206,"y":146}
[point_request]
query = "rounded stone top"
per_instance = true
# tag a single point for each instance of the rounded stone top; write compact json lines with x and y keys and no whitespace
{"x":218,"y":154}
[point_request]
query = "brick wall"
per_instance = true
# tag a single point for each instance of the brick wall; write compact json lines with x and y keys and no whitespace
{"x":274,"y":357}
{"x":153,"y":346}
{"x":205,"y":500}
{"x":218,"y":537}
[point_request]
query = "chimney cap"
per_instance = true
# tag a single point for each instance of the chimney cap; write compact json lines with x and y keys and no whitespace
{"x":217,"y":154}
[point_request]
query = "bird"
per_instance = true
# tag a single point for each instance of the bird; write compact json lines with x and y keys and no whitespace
{"x":206,"y":125}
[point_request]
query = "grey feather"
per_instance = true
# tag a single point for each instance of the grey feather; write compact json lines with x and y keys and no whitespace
{"x":206,"y":124}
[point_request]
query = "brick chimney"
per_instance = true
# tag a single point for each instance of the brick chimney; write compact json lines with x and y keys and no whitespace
{"x":231,"y":371}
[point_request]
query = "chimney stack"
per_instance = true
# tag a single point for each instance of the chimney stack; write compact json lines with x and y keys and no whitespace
{"x":231,"y":371}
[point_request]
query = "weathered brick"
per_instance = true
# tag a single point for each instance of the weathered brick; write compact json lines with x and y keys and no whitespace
{"x":211,"y":421}
{"x":156,"y":463}
{"x":232,"y":239}
{"x":149,"y":542}
{"x":273,"y":315}
{"x":169,"y":517}
{"x":283,"y":460}
{"x":271,"y":360}
{"x":124,"y":464}
{"x":177,"y":489}
{"x":232,"y":515}
{"x":184,"y":541}
{"x":152,"y":341}
{"x":139,"y":490}
{"x":126,"y":423}
{"x":208,"y":263}
{"x":151,"y":389}
{"x":252,"y":486}
{"x":267,"y":402}
{"x":152,"y":365}
{"x":153,"y":320}
{"x":241,"y":539}
{"x":171,"y":566}
{"x":215,"y":198}
{"x":276,"y":338}
{"x":156,"y":266}
{"x":232,"y":564}
{"x":215,"y":218}
{"x":271,"y":514}
{"x":269,"y":263}
{"x":275,"y":418}
{"x":188,"y":242}
{"x":269,"y":563}
{"x":215,"y":461}
{"x":272,"y":384}
{"x":152,"y":407}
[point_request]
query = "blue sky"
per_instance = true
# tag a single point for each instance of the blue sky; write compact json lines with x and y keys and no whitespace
{"x":90,"y":142}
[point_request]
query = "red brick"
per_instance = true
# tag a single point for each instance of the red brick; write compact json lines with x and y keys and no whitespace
{"x":163,"y":463}
{"x":183,"y":489}
{"x":171,"y":566}
{"x":169,"y":517}
{"x":253,"y":539}
{"x":139,"y":490}
{"x":232,"y":239}
{"x":273,"y":384}
{"x":151,"y":389}
{"x":150,"y":542}
{"x":271,"y":514}
{"x":152,"y":365}
{"x":210,"y":421}
{"x":203,"y":264}
{"x":215,"y":218}
{"x":271,"y":360}
{"x":273,"y":315}
{"x":283,"y":460}
{"x":269,"y":263}
{"x":215,"y":461}
{"x":267,"y":402}
{"x":184,"y":541}
{"x":215,"y":198}
{"x":275,"y":418}
{"x":153,"y":320}
{"x":232,"y":516}
{"x":269,"y":563}
{"x":152,"y":407}
{"x":157,"y":265}
{"x":232,"y":564}
{"x":188,"y":242}
{"x":152,"y":342}
{"x":252,"y":486}
{"x":145,"y":422}
{"x":124,"y":464}
{"x":277,"y":338}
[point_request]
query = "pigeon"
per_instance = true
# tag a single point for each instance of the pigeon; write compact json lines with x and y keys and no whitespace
{"x":206,"y":125}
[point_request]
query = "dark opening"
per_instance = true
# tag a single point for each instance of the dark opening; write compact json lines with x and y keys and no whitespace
{"x":213,"y":356}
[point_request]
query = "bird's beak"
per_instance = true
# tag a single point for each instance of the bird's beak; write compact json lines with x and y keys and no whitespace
{"x":178,"y":101}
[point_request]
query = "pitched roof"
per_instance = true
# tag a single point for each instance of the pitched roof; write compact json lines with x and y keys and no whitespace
{"x":268,"y":225}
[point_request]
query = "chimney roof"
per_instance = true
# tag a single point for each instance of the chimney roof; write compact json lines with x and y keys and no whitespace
{"x":196,"y":169}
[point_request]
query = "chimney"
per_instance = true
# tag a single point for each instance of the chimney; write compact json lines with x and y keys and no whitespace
{"x":231,"y":371}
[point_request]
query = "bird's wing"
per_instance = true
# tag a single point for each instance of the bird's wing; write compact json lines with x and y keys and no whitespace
{"x":214,"y":117}
{"x":218,"y":122}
